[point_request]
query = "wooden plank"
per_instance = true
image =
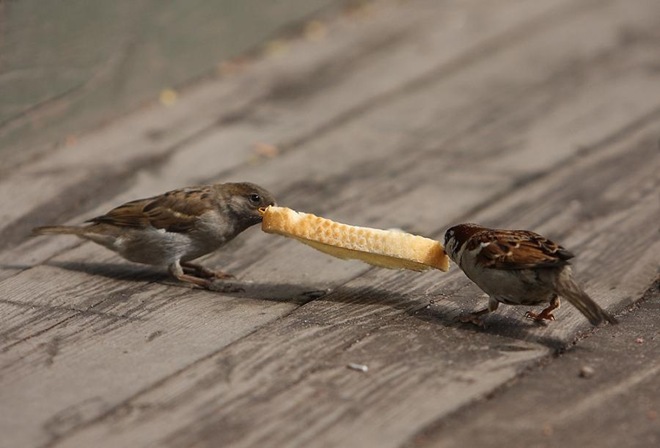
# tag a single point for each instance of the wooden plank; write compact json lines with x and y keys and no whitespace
{"x":32,"y":344}
{"x":617,"y":406}
{"x":430,"y":165}
{"x":221,"y":121}
{"x":324,"y":187}
{"x":295,"y":389}
{"x":318,"y":315}
{"x":103,"y":60}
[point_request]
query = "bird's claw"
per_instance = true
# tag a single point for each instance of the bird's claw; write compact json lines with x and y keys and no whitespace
{"x":540,"y":317}
{"x":222,"y":275}
{"x":204,"y":272}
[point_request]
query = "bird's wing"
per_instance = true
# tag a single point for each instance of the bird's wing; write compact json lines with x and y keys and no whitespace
{"x":174,"y":211}
{"x":518,"y":249}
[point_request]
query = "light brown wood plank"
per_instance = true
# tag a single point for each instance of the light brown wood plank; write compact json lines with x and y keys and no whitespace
{"x":310,"y":270}
{"x":105,"y":59}
{"x":219,"y":122}
{"x":616,"y":406}
{"x":397,"y":201}
{"x":345,"y":171}
{"x":287,"y":384}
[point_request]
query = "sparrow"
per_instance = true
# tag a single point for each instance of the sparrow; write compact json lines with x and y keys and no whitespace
{"x":176,"y":227}
{"x":518,"y":267}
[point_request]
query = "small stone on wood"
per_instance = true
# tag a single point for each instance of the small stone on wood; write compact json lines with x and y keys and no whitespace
{"x":358,"y":367}
{"x":587,"y":372}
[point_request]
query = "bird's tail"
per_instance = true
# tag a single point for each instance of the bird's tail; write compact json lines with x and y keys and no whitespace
{"x":58,"y":230}
{"x":571,"y":291}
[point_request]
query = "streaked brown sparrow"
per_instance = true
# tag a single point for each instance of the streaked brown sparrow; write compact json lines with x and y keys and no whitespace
{"x":518,"y":267}
{"x":176,"y":227}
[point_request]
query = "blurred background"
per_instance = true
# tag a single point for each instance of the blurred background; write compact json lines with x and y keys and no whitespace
{"x":68,"y":66}
{"x":409,"y":114}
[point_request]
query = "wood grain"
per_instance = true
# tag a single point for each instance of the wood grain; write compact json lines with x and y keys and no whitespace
{"x":102,"y":60}
{"x":516,"y":114}
{"x":222,"y":120}
{"x":566,"y":407}
{"x":295,"y":389}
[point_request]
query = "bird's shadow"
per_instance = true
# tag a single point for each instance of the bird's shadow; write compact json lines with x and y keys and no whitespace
{"x":504,"y":323}
{"x":234,"y":287}
{"x":127,"y":272}
{"x":439,"y":312}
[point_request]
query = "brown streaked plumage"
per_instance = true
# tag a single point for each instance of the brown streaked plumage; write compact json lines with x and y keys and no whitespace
{"x":176,"y":227}
{"x":518,"y":267}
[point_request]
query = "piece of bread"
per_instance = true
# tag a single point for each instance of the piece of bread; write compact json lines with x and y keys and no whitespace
{"x":385,"y":248}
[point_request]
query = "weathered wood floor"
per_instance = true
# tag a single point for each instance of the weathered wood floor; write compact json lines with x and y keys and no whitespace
{"x":417,"y":115}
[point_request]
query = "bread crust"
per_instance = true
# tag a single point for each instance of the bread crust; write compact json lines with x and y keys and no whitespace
{"x":384,"y":248}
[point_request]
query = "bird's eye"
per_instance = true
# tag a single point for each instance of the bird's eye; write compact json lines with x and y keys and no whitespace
{"x":255,"y":198}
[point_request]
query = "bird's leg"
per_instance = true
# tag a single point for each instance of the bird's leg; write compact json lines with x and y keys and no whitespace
{"x":177,"y":271}
{"x":546,"y":314}
{"x":476,"y":317}
{"x":203,"y":272}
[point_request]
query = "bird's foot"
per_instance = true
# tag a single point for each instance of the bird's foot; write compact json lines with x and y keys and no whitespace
{"x":200,"y":271}
{"x":194,"y":281}
{"x":544,"y":315}
{"x":209,"y":284}
{"x":223,"y":275}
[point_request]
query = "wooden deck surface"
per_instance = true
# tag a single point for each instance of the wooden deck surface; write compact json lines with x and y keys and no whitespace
{"x":415,"y":115}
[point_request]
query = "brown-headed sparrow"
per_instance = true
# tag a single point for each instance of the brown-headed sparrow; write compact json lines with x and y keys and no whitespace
{"x":176,"y":227}
{"x":518,"y":267}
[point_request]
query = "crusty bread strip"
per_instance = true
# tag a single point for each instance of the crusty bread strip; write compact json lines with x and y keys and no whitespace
{"x":384,"y":248}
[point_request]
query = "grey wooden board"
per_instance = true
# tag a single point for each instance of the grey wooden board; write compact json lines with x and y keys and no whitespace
{"x":565,"y":146}
{"x":245,"y":109}
{"x":617,"y":406}
{"x":287,"y":384}
{"x":72,"y":65}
